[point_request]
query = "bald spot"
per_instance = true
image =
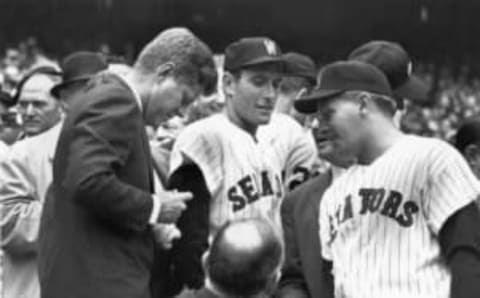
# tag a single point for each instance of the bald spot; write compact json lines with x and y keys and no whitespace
{"x":243,"y":237}
{"x":246,"y":244}
{"x":38,"y":84}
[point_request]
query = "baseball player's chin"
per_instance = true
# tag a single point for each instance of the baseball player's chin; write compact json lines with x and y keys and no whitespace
{"x":264,"y":120}
{"x":264,"y":117}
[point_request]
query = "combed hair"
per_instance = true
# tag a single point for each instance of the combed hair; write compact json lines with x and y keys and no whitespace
{"x":192,"y":58}
{"x":250,"y":275}
{"x":294,"y":83}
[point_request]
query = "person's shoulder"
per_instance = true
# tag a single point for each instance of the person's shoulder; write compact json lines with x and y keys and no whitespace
{"x":314,"y":186}
{"x":105,"y":86}
{"x":207,"y":127}
{"x":428,"y":146}
{"x":35,"y":145}
{"x":282,"y":123}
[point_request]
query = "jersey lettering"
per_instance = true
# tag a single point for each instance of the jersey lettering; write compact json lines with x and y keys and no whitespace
{"x":380,"y":201}
{"x":299,"y":175}
{"x":248,"y":190}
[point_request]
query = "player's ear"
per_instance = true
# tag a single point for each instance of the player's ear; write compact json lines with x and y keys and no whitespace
{"x":228,"y":81}
{"x":164,"y":69}
{"x":365,"y":100}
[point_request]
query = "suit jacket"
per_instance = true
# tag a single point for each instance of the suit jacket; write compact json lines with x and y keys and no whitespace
{"x":302,"y":272}
{"x":95,"y":240}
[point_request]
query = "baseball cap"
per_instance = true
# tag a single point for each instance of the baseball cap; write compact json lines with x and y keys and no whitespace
{"x":299,"y":65}
{"x":251,"y":51}
{"x":394,"y":61}
{"x":341,"y":76}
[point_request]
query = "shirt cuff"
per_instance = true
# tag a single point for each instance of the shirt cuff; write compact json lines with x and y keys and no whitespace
{"x":155,"y":210}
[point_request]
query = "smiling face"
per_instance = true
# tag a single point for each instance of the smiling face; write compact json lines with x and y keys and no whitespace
{"x":251,"y":95}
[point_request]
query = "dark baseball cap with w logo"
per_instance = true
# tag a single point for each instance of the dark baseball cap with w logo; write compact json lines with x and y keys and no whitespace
{"x":252,"y":51}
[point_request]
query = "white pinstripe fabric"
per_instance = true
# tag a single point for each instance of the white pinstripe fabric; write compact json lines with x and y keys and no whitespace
{"x":394,"y":251}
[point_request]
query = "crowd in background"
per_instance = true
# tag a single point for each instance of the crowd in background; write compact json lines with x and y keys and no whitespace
{"x":454,"y":97}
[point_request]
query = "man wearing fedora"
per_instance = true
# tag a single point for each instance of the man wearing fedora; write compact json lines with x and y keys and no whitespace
{"x":27,"y":174}
{"x":77,"y":69}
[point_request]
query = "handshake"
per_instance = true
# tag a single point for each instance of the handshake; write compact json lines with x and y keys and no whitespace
{"x":173,"y":203}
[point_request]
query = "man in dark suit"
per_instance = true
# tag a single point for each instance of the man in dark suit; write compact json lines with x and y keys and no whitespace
{"x":302,"y":273}
{"x":96,"y":235}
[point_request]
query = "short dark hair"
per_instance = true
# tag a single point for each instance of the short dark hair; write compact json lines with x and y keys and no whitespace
{"x":192,"y":58}
{"x":468,"y":133}
{"x":245,"y":271}
{"x":295,"y":83}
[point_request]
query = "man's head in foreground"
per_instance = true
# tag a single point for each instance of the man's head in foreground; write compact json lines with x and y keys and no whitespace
{"x":244,"y":259}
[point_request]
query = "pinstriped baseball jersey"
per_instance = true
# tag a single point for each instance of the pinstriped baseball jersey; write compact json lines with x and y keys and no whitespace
{"x":379,"y":223}
{"x":294,"y":147}
{"x":243,"y":174}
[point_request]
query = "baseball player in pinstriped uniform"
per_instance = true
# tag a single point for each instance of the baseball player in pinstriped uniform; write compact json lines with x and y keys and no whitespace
{"x":232,"y":164}
{"x":398,"y":223}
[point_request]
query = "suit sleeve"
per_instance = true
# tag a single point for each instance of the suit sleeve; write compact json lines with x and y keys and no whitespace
{"x":101,"y":145}
{"x":20,"y":208}
{"x":292,"y":283}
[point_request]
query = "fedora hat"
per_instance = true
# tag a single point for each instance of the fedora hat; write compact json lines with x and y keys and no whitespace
{"x":79,"y":66}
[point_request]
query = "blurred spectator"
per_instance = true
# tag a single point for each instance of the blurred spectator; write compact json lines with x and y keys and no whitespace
{"x":454,"y":100}
{"x":38,"y":108}
{"x":32,"y":55}
{"x":26,"y":172}
{"x":9,"y":126}
{"x":300,"y":76}
{"x":467,"y":141}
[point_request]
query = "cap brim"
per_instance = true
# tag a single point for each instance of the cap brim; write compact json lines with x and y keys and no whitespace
{"x":263,"y":60}
{"x":414,"y":89}
{"x":309,"y":104}
{"x":56,"y":89}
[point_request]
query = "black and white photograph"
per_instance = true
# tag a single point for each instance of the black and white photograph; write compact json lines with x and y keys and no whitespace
{"x":239,"y":149}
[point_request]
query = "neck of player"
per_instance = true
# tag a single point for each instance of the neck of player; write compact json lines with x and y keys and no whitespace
{"x":380,"y":137}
